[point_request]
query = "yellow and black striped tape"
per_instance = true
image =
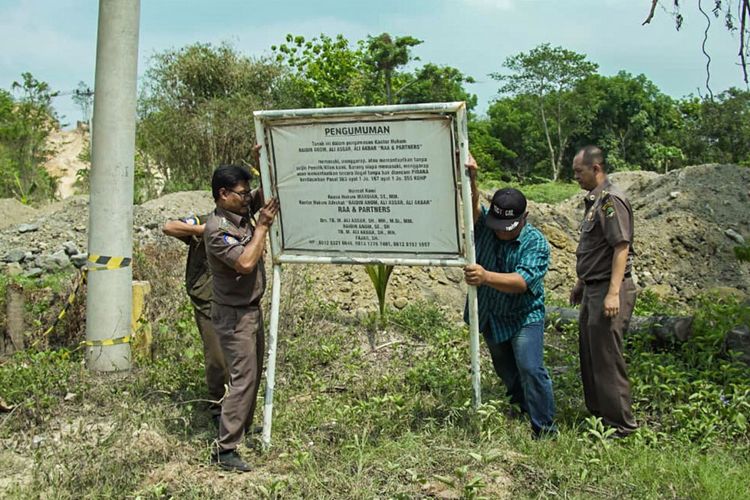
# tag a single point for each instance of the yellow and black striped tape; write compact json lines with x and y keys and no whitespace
{"x":100,"y":263}
{"x":68,"y":302}
{"x":107,"y":263}
{"x":107,"y":342}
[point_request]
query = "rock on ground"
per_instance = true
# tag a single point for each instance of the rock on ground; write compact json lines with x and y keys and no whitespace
{"x":681,"y":242}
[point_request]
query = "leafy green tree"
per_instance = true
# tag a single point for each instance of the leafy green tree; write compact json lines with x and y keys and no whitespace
{"x":550,"y":74}
{"x":328,"y":71}
{"x":432,"y":83}
{"x":332,"y":72}
{"x":25,"y":124}
{"x":386,"y":55}
{"x":489,"y":152}
{"x":716,"y":130}
{"x":664,"y":156}
{"x":631,"y":117}
{"x":196,"y":111}
{"x":514,"y":123}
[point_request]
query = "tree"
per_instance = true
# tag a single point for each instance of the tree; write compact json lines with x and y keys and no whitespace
{"x":514,"y":123}
{"x":196,"y":111}
{"x":332,"y":72}
{"x":83,"y":96}
{"x":432,"y":83}
{"x":386,"y":54}
{"x":550,"y":74}
{"x":328,"y":71}
{"x":25,"y":124}
{"x":664,"y":156}
{"x":489,"y":152}
{"x":630,"y":116}
{"x":716,"y":130}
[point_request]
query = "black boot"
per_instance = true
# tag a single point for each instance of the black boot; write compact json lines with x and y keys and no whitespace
{"x":230,"y":460}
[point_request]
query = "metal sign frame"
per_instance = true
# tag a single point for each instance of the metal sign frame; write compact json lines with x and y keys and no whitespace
{"x":464,"y":210}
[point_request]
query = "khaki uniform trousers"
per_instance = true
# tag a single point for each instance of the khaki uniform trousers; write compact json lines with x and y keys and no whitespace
{"x":216,"y":370}
{"x":240,"y":333}
{"x":606,"y":388}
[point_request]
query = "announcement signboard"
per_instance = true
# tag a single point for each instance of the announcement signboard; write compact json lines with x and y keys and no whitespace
{"x":371,"y":185}
{"x":376,"y":185}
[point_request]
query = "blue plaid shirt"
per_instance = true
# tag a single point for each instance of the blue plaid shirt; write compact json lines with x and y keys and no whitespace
{"x":502,"y":315}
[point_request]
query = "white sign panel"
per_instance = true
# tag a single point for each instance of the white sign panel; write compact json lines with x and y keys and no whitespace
{"x":367,"y":187}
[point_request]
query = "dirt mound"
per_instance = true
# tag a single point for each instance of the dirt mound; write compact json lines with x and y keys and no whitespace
{"x":687,"y":224}
{"x":182,"y":204}
{"x":682,"y":221}
{"x":14,"y":212}
{"x":686,"y":221}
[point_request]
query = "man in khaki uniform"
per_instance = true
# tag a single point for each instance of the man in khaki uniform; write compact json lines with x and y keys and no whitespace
{"x":234,"y":247}
{"x":198,"y":284}
{"x":605,"y":291}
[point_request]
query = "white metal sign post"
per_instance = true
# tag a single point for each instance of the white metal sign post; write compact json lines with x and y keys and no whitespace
{"x":367,"y":185}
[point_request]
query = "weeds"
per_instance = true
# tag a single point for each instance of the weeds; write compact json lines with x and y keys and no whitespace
{"x":353,"y":420}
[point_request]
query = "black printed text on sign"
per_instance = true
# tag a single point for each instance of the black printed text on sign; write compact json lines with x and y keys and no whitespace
{"x":367,"y":188}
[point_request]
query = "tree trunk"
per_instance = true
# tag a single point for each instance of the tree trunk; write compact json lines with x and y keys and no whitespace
{"x":14,"y":305}
{"x":560,"y":147}
{"x":546,"y":134}
{"x":563,"y":145}
{"x":388,"y":97}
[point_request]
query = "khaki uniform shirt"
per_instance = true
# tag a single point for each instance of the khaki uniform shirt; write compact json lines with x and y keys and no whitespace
{"x":226,"y":236}
{"x":607,"y":222}
{"x":198,"y":281}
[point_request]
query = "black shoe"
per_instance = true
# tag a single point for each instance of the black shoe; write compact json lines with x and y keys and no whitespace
{"x":620,"y":435}
{"x":230,"y":460}
{"x":544,"y":434}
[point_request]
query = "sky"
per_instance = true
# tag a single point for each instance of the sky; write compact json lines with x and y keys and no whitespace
{"x":55,"y":40}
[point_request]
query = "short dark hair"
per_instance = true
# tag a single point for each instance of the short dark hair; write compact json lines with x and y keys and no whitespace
{"x":227,"y":177}
{"x":591,"y":155}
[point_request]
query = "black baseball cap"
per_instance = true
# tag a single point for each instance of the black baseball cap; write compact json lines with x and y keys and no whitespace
{"x":506,"y":210}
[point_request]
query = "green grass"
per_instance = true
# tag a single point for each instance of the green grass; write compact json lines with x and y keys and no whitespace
{"x":391,"y":422}
{"x":546,"y":192}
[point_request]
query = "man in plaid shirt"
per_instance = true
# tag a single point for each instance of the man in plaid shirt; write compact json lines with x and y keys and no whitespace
{"x":512,"y":259}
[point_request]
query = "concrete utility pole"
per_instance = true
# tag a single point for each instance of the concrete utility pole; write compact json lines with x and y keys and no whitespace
{"x":109,"y":299}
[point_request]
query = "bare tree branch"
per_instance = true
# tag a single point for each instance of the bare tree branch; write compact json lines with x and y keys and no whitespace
{"x":744,"y":10}
{"x":654,"y":3}
{"x":703,"y":49}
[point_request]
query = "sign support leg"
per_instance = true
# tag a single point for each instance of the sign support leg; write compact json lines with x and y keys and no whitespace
{"x":271,"y":367}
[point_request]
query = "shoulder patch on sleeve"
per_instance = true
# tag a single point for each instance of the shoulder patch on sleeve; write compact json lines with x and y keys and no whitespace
{"x":193,"y":221}
{"x":229,"y":239}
